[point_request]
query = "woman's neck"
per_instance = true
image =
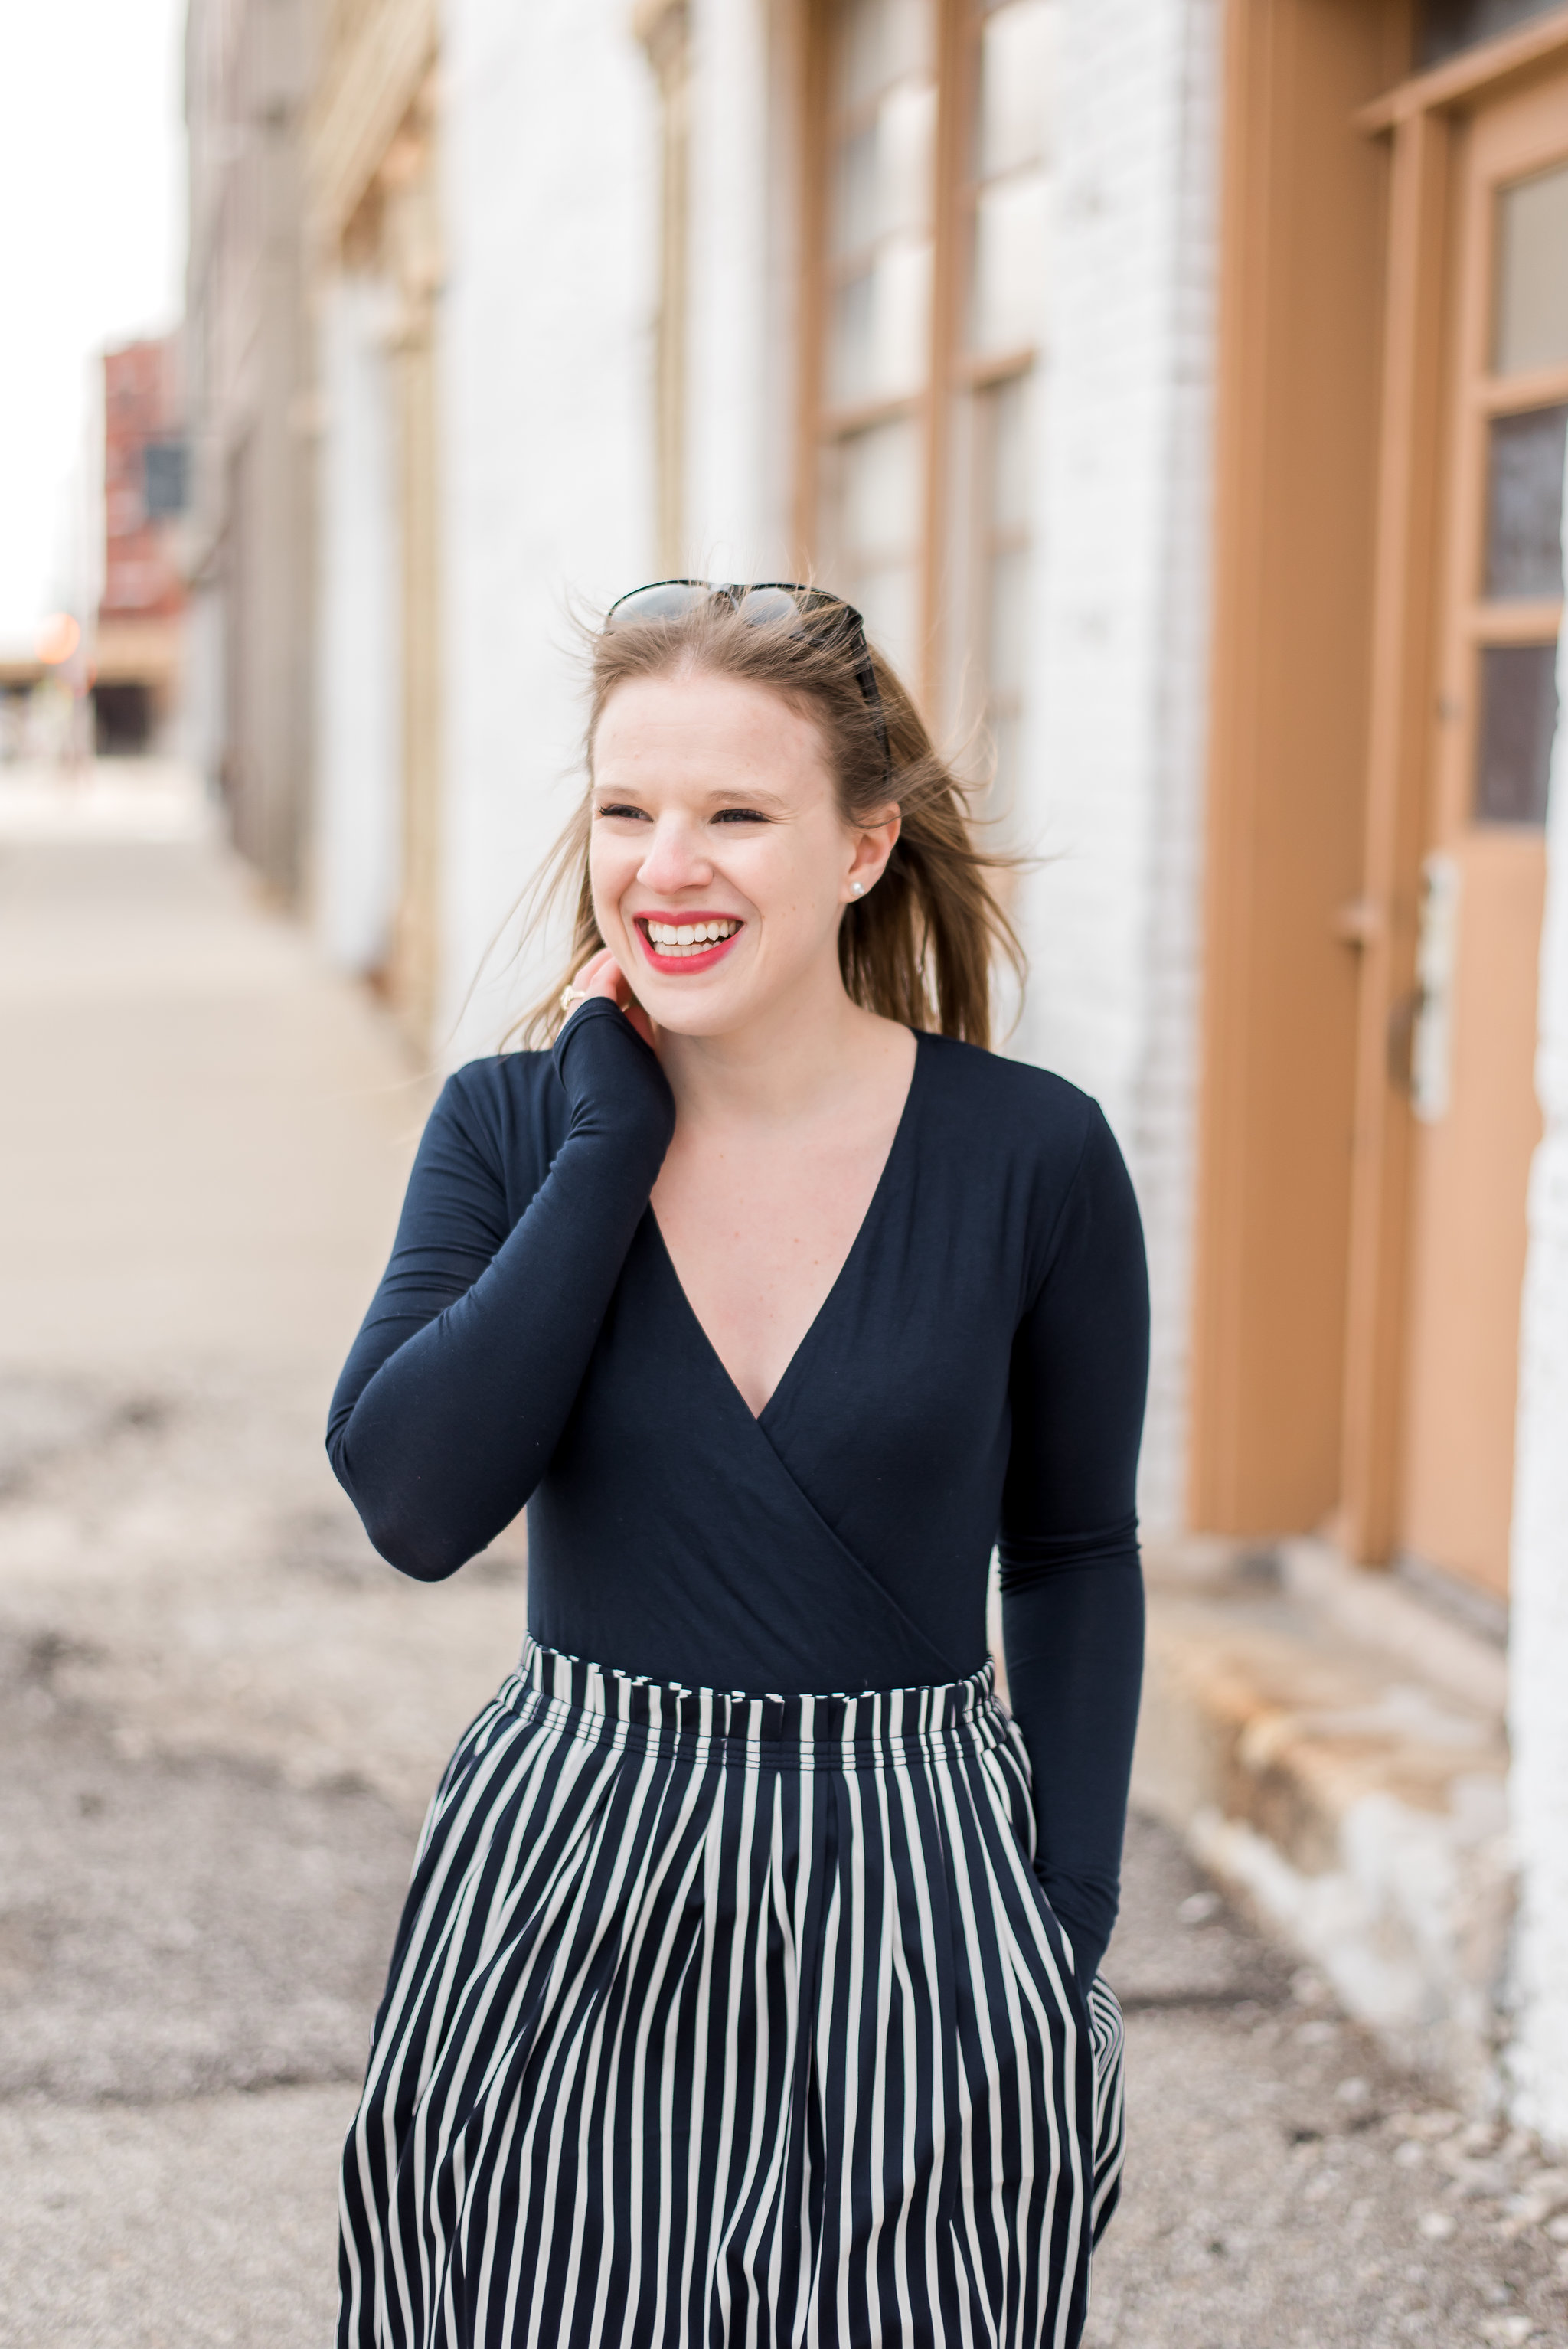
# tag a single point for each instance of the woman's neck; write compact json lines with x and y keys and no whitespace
{"x":803,"y":1059}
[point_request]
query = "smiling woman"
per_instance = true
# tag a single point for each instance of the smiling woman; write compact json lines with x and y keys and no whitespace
{"x":747,"y":1987}
{"x":923,"y":947}
{"x":705,"y":788}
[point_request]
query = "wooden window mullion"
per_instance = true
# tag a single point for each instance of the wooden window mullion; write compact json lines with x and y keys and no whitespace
{"x":954,"y":71}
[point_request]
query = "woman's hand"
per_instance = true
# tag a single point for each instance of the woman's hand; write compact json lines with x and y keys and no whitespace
{"x":604,"y":975}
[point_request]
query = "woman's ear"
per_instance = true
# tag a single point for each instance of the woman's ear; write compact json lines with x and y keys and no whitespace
{"x":874,"y":841}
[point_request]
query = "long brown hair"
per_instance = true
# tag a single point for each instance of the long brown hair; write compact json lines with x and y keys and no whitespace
{"x":921,"y":948}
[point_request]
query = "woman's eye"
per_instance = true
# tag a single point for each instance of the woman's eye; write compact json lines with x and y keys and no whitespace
{"x":740,"y":815}
{"x":618,"y":808}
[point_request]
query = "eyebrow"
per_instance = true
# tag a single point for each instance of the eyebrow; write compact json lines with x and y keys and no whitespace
{"x":729,"y":795}
{"x":751,"y":798}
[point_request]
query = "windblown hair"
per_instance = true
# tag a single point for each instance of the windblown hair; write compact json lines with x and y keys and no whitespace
{"x":923,"y":945}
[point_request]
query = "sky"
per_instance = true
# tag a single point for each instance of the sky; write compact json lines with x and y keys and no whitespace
{"x":92,"y":195}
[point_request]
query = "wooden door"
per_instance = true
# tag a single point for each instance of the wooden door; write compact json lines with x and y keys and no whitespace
{"x":1483,"y":879}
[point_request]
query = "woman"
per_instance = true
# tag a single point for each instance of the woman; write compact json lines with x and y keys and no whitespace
{"x":746,"y":1990}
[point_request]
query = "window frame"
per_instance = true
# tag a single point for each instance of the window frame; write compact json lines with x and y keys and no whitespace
{"x":947,"y":595}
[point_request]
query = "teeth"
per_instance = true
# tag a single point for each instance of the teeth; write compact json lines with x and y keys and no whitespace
{"x":689,"y":937}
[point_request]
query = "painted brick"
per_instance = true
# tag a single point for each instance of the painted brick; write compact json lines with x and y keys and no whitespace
{"x":1113,"y":765}
{"x":1538,"y":1643}
{"x":547,"y":438}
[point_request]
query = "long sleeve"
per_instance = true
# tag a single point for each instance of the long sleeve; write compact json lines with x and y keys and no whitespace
{"x":468,"y":1361}
{"x":1072,"y":1589}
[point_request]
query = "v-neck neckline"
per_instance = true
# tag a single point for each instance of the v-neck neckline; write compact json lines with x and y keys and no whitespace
{"x":894,"y":1147}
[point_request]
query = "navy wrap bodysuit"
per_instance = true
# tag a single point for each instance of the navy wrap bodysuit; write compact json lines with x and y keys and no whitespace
{"x":974,"y":1378}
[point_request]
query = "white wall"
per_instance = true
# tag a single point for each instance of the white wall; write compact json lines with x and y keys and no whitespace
{"x":737,"y":441}
{"x":1538,"y":1637}
{"x":550,"y":195}
{"x":1112,"y":791}
{"x":357,"y":846}
{"x":547,"y":342}
{"x":202,"y":684}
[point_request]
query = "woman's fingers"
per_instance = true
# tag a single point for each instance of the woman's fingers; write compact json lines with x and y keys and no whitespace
{"x":603,"y":975}
{"x":599,"y":976}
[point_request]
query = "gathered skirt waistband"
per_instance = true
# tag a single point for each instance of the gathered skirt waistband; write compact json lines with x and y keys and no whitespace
{"x":852,"y":1731}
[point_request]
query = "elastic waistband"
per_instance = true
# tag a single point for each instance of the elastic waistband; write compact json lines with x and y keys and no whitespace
{"x":878,"y":1722}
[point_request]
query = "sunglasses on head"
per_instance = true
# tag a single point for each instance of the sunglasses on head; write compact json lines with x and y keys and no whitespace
{"x":768,"y":603}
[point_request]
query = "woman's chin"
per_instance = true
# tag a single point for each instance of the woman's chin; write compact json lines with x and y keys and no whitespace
{"x":677,"y":1012}
{"x":736,"y":992}
{"x":708,"y":1002}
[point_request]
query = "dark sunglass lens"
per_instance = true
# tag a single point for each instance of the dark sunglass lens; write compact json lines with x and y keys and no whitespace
{"x":767,"y":607}
{"x":671,"y":599}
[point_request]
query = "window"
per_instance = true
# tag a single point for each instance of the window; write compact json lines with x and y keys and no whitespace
{"x":163,"y":478}
{"x":1444,"y":28}
{"x":1008,"y":209}
{"x":1518,"y":722}
{"x":934,"y":151}
{"x":877,"y":303}
{"x":1521,"y":599}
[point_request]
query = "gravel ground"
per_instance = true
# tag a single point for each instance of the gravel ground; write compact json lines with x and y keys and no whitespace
{"x":221,"y":1718}
{"x":185,"y":2226}
{"x":198,"y":1891}
{"x":178,"y":1926}
{"x":1287,"y":2187}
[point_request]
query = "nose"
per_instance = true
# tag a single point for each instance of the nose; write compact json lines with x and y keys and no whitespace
{"x":675,"y":859}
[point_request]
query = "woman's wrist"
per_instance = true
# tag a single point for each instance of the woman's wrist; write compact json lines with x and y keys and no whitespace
{"x":609,"y":1071}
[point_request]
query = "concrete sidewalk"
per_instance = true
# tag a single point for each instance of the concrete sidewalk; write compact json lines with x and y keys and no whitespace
{"x":220,"y":1716}
{"x":208,"y":1136}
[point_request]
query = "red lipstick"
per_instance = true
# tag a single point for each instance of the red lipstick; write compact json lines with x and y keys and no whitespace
{"x":695,"y":956}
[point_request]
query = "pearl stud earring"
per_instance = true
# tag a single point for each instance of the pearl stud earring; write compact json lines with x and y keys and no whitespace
{"x":857,"y":888}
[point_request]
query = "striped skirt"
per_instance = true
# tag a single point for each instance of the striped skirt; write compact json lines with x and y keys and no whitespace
{"x":718,"y":2021}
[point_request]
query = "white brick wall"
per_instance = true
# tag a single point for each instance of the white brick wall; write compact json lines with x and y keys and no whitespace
{"x":732,"y":509}
{"x":547,"y":440}
{"x":548,"y":448}
{"x":1538,"y":1645}
{"x":356,"y":846}
{"x":1114,"y":759}
{"x":550,"y":151}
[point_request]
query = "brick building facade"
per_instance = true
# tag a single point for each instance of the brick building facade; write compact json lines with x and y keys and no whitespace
{"x":249,"y":372}
{"x":1149,"y":372}
{"x":138,"y":642}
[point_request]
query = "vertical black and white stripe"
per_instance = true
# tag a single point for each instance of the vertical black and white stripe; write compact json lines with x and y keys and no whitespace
{"x":730,"y":2022}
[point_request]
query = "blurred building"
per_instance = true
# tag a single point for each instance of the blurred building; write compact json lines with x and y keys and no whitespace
{"x":1182,"y":392}
{"x":249,"y":399}
{"x":136,"y":647}
{"x":25,"y":733}
{"x":375,"y":236}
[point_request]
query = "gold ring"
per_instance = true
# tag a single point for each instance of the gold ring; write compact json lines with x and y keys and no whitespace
{"x":571,"y":995}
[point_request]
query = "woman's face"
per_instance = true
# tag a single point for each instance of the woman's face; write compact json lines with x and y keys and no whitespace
{"x":719,"y":863}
